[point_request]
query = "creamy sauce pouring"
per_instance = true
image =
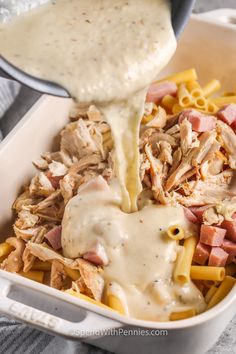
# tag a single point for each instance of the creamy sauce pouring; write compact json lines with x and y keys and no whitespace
{"x":108,"y":56}
{"x":104,"y":55}
{"x":141,"y":256}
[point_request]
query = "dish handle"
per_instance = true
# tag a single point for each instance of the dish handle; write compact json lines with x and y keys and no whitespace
{"x":91,"y":324}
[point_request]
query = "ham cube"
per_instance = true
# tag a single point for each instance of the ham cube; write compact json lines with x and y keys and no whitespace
{"x":230,"y":227}
{"x":230,"y":248}
{"x":159,"y":90}
{"x":97,"y":255}
{"x":54,"y":237}
{"x":227,"y":114}
{"x":212,"y":235}
{"x":201,"y":253}
{"x":200,"y":122}
{"x":199,"y":211}
{"x":190,"y":216}
{"x":218,"y":257}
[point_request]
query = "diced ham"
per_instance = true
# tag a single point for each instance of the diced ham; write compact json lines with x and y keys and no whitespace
{"x":230,"y":248}
{"x":200,"y":122}
{"x":190,"y":216}
{"x":54,"y":179}
{"x":212,"y":235}
{"x":218,"y":257}
{"x":159,"y":90}
{"x":227,"y":114}
{"x":54,"y":237}
{"x":198,"y":211}
{"x":97,"y":255}
{"x":94,"y":185}
{"x":201,"y":253}
{"x":230,"y":227}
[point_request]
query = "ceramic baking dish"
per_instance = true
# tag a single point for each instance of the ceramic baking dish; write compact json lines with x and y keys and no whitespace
{"x":209,"y":45}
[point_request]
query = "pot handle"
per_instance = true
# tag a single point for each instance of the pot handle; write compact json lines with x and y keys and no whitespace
{"x":227,"y":17}
{"x":91,"y":324}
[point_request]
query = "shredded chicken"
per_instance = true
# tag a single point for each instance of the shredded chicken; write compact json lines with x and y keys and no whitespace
{"x":14,"y":262}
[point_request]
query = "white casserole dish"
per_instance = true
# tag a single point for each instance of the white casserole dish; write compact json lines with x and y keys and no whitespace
{"x":209,"y":45}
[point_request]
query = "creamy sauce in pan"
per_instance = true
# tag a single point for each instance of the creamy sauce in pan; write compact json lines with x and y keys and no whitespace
{"x":107,"y":52}
{"x":141,"y":257}
{"x":101,"y":51}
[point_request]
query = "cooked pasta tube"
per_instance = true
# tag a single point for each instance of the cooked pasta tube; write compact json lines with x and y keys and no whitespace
{"x":116,"y":299}
{"x":87,"y":298}
{"x":175,"y":232}
{"x":72,"y":273}
{"x":176,"y":316}
{"x":210,"y":294}
{"x":210,"y":88}
{"x":169,"y":101}
{"x":5,"y":249}
{"x":176,"y":108}
{"x":200,"y":103}
{"x":40,"y":265}
{"x":223,"y":290}
{"x":211,"y":107}
{"x":184,"y":260}
{"x":230,"y":269}
{"x":185,"y":99}
{"x":221,"y":101}
{"x":207,"y":273}
{"x":194,"y":88}
{"x":183,"y":76}
{"x":33,"y":275}
{"x":147,"y":119}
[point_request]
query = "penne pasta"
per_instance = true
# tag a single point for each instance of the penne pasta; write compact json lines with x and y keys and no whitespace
{"x":5,"y":249}
{"x":40,"y":265}
{"x":175,"y":232}
{"x":211,"y":107}
{"x":181,"y":77}
{"x":72,"y":273}
{"x":185,"y":99}
{"x":194,"y":88}
{"x":207,"y":273}
{"x":115,"y":303}
{"x":182,"y":270}
{"x":221,"y":101}
{"x":222,"y":291}
{"x":210,"y":88}
{"x":177,"y":108}
{"x":33,"y":275}
{"x":169,"y":101}
{"x":211,"y":292}
{"x":200,"y":103}
{"x":176,"y":316}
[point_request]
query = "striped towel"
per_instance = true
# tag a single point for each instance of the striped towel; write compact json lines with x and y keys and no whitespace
{"x":8,"y":92}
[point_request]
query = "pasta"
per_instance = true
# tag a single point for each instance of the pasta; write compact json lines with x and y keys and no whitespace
{"x":185,"y":99}
{"x":39,"y":265}
{"x":175,"y":232}
{"x":221,"y":101}
{"x":33,"y":275}
{"x":72,"y":273}
{"x":87,"y":298}
{"x":184,"y":76}
{"x":176,"y":316}
{"x":168,"y":102}
{"x":212,"y":87}
{"x":200,"y":103}
{"x":210,"y":293}
{"x":182,"y":270}
{"x":194,"y":88}
{"x":115,"y":303}
{"x":222,"y":291}
{"x":5,"y":249}
{"x":207,"y":273}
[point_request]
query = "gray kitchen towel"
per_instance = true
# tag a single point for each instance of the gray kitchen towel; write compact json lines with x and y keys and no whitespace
{"x":8,"y":92}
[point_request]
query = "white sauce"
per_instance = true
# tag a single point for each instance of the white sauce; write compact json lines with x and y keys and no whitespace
{"x":141,"y":256}
{"x":101,"y":55}
{"x":107,"y":52}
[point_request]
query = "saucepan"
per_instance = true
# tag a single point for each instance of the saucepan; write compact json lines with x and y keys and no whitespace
{"x":181,"y":10}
